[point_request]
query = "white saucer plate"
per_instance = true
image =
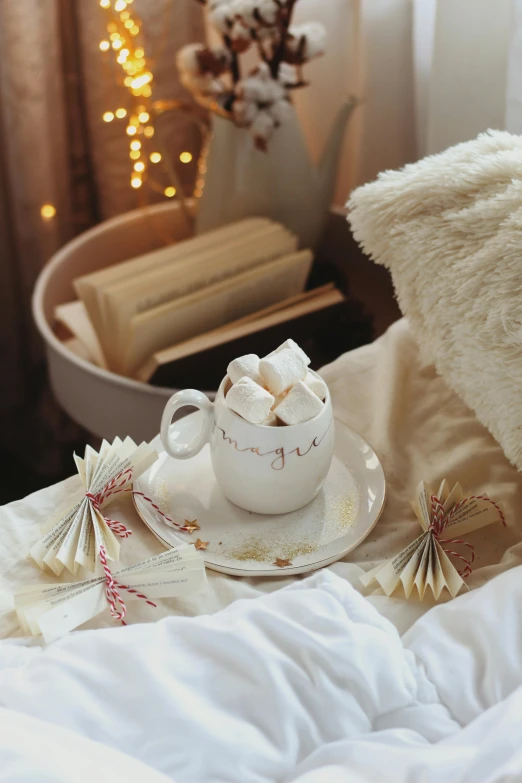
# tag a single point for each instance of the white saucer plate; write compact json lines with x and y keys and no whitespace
{"x":245,"y":544}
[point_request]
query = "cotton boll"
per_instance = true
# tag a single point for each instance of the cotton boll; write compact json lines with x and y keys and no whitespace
{"x":268,"y":11}
{"x":240,"y":36}
{"x":244,"y":112}
{"x":246,"y":10}
{"x":263,"y":72}
{"x":287,"y":74}
{"x":187,"y":58}
{"x":220,"y":17}
{"x":280,"y":111}
{"x":263,"y":126}
{"x":252,"y":90}
{"x":274,"y":91}
{"x":314,"y":35}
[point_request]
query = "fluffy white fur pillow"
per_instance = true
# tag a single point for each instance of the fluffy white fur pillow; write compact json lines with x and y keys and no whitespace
{"x":449,"y":228}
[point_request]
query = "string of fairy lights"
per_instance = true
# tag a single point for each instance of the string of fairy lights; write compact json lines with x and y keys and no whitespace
{"x":124,"y":43}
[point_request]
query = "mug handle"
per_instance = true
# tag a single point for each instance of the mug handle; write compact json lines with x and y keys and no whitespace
{"x":177,"y":401}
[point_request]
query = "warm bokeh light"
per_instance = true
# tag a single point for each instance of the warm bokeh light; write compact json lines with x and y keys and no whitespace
{"x":141,"y":80}
{"x":48,"y":211}
{"x":123,"y":25}
{"x":185,"y":157}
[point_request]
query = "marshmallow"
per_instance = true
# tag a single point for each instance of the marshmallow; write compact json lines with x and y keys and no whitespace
{"x":292,"y":345}
{"x":245,"y":366}
{"x":300,"y":404}
{"x":316,"y":384}
{"x":250,"y":400}
{"x":271,"y":420}
{"x":282,"y":369}
{"x":279,"y":399}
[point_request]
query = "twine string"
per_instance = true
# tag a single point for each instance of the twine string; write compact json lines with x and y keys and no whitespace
{"x":440,"y":520}
{"x":111,"y":590}
{"x":116,"y":603}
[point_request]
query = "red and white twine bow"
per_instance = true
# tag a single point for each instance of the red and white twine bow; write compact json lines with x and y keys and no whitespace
{"x":440,"y":520}
{"x":112,"y":588}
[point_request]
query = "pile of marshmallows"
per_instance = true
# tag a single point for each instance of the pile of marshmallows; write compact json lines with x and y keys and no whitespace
{"x":278,"y":389}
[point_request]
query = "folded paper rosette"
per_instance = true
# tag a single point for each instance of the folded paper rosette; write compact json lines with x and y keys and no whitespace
{"x":53,"y":610}
{"x":445,"y":518}
{"x":80,"y":531}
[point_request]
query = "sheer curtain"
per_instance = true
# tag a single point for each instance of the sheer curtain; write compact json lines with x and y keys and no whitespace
{"x":430,"y":73}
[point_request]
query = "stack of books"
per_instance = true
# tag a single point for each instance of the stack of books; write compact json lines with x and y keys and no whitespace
{"x":170,"y":316}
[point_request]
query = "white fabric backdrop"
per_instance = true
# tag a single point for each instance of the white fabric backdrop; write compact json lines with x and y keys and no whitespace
{"x":431,"y":73}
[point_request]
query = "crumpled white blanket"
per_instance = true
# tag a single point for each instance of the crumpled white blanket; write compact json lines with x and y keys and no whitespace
{"x":310,"y":684}
{"x":307,"y":685}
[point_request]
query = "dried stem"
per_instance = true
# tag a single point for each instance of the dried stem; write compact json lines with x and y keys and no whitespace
{"x":234,"y":59}
{"x":279,"y":53}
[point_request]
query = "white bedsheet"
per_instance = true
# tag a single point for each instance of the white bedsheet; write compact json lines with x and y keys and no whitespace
{"x":308,"y":684}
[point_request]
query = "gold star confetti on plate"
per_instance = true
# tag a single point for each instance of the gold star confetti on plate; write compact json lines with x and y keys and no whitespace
{"x":199,"y":544}
{"x":280,"y":563}
{"x":191,"y":525}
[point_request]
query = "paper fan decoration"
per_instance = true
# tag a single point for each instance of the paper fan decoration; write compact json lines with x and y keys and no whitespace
{"x":445,"y":518}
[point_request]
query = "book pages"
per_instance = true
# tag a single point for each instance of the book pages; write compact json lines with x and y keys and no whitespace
{"x":89,"y":287}
{"x":74,"y":316}
{"x":55,"y":610}
{"x":427,"y":561}
{"x":74,"y":538}
{"x":216,"y":305}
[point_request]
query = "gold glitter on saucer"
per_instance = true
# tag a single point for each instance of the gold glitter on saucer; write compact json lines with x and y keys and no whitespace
{"x":161,"y":494}
{"x":342,"y":514}
{"x":263,"y":549}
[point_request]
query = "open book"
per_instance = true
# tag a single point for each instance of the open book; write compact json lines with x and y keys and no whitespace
{"x":176,"y":293}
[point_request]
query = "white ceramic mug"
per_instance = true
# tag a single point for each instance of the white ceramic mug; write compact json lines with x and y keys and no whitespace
{"x":268,"y":470}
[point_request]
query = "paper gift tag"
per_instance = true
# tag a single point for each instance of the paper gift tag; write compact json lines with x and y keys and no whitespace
{"x":53,"y":610}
